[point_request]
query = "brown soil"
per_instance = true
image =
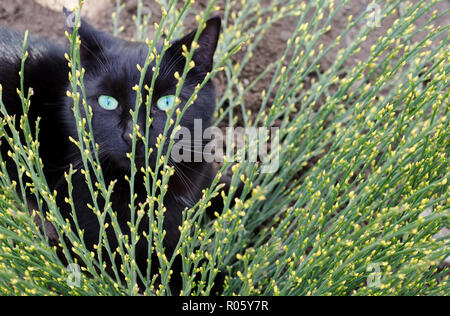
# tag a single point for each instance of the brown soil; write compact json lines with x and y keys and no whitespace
{"x":27,"y":14}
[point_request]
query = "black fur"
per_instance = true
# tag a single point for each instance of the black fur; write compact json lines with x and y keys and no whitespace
{"x":110,"y":65}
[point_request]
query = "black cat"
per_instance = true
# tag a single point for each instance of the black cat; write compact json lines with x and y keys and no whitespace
{"x":111,"y":73}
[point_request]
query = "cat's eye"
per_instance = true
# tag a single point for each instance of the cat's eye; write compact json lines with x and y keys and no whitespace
{"x":107,"y":102}
{"x":166,"y":103}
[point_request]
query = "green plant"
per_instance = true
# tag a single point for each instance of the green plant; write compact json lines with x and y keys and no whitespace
{"x":352,"y":222}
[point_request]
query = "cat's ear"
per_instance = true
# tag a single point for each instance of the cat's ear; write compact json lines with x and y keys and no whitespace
{"x":93,"y":42}
{"x":204,"y":54}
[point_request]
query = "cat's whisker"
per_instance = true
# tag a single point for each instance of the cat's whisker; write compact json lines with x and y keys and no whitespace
{"x":194,"y":140}
{"x":194,"y":144}
{"x":186,"y":182}
{"x":100,"y":61}
{"x":198,"y":148}
{"x":201,"y":174}
{"x":78,"y":162}
{"x":171,"y":66}
{"x":193,"y":151}
{"x":169,"y":63}
{"x":100,"y":47}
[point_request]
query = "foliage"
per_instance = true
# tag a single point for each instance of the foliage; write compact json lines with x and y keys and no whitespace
{"x":361,"y":190}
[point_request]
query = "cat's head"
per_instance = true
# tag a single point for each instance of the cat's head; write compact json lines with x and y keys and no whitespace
{"x":111,"y":73}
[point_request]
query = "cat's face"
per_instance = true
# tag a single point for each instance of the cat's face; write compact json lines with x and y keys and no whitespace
{"x":111,"y":74}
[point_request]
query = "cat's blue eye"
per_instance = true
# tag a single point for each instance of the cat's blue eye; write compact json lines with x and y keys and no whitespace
{"x":107,"y":102}
{"x":166,"y":103}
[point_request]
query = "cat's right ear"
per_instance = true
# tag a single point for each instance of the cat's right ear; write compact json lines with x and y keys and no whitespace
{"x":93,"y":42}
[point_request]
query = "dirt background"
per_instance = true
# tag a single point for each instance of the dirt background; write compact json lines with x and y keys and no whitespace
{"x":44,"y":18}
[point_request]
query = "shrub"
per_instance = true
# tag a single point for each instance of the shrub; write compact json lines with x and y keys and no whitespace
{"x":362,"y":183}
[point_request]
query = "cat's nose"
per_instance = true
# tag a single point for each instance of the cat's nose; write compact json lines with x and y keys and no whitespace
{"x":128,"y":132}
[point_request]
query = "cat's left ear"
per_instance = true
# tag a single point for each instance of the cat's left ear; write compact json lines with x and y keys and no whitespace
{"x":93,"y":41}
{"x":204,"y":55}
